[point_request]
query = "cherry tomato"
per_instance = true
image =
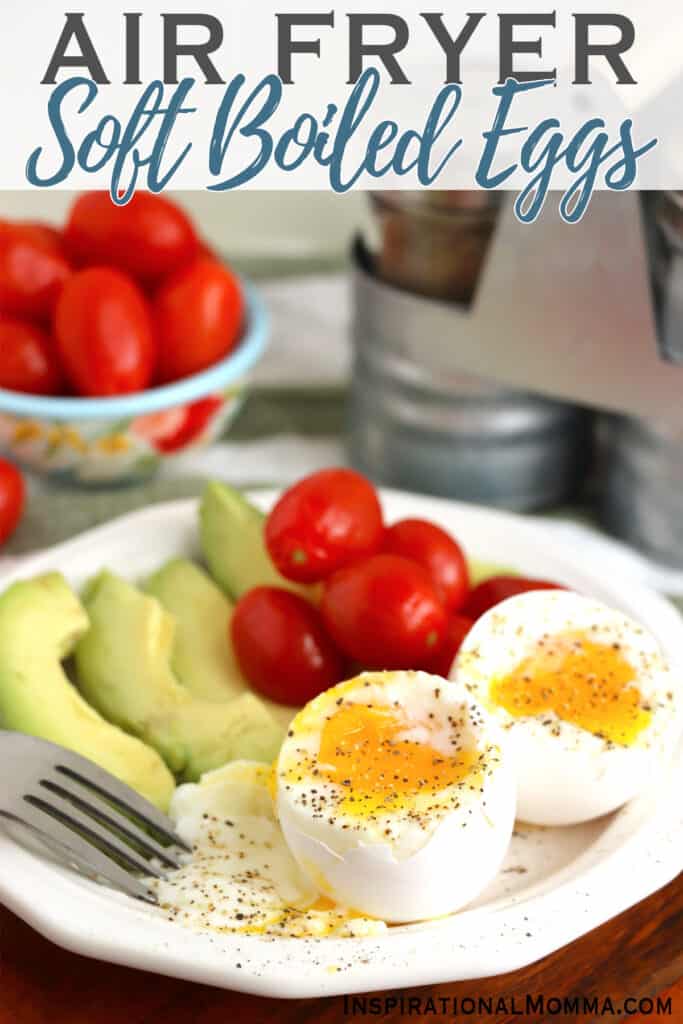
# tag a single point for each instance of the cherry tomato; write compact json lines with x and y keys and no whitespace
{"x":51,"y":235}
{"x":33,"y":269}
{"x":282,"y":647}
{"x":384,"y":613}
{"x":174,"y":429}
{"x":27,"y":359}
{"x":148,"y":238}
{"x":12,"y":497}
{"x":456,"y":631}
{"x":199,"y":314}
{"x":104,"y":333}
{"x":438,"y":554}
{"x":207,"y":252}
{"x":324,"y":522}
{"x":498,"y":588}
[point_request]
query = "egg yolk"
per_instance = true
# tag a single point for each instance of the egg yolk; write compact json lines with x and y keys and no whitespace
{"x":586,"y":683}
{"x":362,"y":749}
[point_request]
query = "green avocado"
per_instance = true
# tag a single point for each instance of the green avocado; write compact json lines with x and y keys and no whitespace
{"x":231,"y":532}
{"x":41,"y":621}
{"x":124,"y":670}
{"x":480,"y":571}
{"x":202,"y":659}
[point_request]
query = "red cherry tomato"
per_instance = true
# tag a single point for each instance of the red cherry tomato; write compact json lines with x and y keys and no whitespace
{"x":438,"y":554}
{"x":48,"y":233}
{"x":104,"y":333}
{"x":498,"y":588}
{"x":324,"y":522}
{"x":199,"y":314}
{"x":149,"y":238}
{"x":33,"y":269}
{"x":207,"y":252}
{"x":282,"y":647}
{"x":384,"y":613}
{"x":12,"y":497}
{"x":456,"y":631}
{"x":174,"y":429}
{"x":27,"y":359}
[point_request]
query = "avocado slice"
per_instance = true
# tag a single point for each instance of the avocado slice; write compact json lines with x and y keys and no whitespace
{"x":231,"y":533}
{"x":480,"y":571}
{"x":202,"y":659}
{"x":41,"y":621}
{"x":124,"y":670}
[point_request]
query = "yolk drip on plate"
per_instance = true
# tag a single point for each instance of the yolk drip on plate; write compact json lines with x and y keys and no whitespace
{"x":242,"y":878}
{"x":368,"y":750}
{"x":585,"y":683}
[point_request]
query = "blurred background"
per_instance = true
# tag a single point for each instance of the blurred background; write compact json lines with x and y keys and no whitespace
{"x":430,"y":340}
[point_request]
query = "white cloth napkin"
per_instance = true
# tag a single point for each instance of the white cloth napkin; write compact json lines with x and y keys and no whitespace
{"x":278,"y":460}
{"x":310,"y":341}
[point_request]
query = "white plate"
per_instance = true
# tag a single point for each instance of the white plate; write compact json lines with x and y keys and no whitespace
{"x":556,"y":885}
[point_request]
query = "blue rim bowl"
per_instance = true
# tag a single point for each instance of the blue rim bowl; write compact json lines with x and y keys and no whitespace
{"x":235,"y":366}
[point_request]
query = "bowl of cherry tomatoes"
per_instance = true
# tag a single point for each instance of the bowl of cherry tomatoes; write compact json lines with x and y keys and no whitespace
{"x":124,"y":340}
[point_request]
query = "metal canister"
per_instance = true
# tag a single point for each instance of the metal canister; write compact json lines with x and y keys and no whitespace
{"x":642,"y":485}
{"x":415,"y":422}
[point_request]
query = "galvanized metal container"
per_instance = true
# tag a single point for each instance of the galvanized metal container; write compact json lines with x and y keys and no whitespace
{"x":416,"y":422}
{"x":641,"y":460}
{"x":642,"y":485}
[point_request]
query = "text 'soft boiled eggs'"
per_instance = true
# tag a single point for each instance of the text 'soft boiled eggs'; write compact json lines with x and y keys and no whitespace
{"x":394,"y":795}
{"x":584,"y":694}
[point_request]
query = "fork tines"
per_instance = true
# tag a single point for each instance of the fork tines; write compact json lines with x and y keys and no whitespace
{"x":101,"y":826}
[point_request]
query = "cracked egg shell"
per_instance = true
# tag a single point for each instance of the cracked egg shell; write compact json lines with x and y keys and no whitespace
{"x":584,"y":695}
{"x":394,"y":795}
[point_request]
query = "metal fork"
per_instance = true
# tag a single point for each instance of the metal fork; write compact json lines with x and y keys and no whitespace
{"x":85,"y":816}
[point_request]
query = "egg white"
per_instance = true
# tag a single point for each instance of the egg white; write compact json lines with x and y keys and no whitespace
{"x":241,"y":877}
{"x":566,"y":774}
{"x":425,"y":858}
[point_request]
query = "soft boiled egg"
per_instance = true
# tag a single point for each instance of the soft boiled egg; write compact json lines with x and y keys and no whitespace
{"x":584,"y":694}
{"x":394,"y":795}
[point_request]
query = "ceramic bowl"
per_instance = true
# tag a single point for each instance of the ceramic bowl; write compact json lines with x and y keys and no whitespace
{"x":111,"y":441}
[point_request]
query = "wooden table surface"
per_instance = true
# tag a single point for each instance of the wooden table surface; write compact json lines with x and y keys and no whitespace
{"x":638,"y":954}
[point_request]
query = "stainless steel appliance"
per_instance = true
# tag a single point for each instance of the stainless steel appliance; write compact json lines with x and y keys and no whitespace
{"x":481,"y":344}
